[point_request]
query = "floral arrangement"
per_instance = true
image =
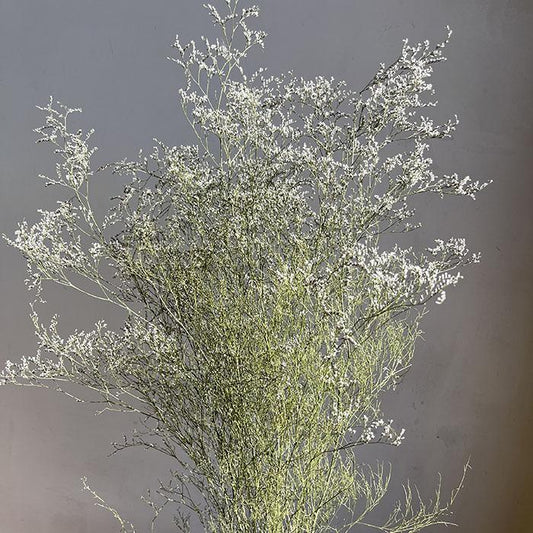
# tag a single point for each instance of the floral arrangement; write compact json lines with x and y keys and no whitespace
{"x":266,"y":306}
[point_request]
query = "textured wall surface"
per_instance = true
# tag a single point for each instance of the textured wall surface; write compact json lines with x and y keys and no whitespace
{"x":469,"y":392}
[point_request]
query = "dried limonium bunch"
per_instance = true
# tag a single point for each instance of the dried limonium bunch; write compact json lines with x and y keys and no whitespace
{"x":264,"y":318}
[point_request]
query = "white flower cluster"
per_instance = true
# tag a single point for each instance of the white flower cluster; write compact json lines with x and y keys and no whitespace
{"x":401,"y":278}
{"x":380,"y":431}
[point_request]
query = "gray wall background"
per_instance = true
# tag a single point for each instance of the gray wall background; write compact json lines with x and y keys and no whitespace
{"x":469,"y":393}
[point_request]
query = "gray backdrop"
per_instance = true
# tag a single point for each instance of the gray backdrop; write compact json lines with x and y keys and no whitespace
{"x":470,"y":391}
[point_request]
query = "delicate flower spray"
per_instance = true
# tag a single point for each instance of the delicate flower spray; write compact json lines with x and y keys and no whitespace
{"x":263,"y":316}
